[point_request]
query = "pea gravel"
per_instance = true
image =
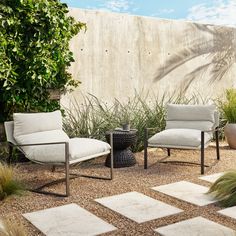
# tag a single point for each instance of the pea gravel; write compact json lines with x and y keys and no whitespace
{"x":84,"y":190}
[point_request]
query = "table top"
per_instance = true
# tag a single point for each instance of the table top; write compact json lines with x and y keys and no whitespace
{"x":122,"y":132}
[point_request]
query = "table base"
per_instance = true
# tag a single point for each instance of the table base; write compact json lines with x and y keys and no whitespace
{"x":122,"y":158}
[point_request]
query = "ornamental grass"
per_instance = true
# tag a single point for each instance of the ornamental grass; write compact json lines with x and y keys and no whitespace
{"x":224,"y":189}
{"x":9,"y":184}
{"x":8,"y":228}
{"x":92,"y":117}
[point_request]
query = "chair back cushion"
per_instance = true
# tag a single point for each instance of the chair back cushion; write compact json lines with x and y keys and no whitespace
{"x":36,"y":128}
{"x":201,"y":117}
{"x":28,"y":123}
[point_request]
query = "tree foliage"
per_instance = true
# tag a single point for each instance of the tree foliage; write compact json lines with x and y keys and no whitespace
{"x":34,"y":54}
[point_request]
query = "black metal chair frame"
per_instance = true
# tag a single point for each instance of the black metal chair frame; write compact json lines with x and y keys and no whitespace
{"x":68,"y":175}
{"x":202,"y":155}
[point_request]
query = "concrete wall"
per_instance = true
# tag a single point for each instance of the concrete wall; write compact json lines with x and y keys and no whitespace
{"x":121,"y":53}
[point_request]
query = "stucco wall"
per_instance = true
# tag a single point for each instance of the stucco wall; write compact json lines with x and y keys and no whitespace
{"x":121,"y":53}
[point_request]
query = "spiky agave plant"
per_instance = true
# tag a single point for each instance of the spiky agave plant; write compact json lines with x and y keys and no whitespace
{"x":9,"y":184}
{"x":224,"y":189}
{"x":11,"y":229}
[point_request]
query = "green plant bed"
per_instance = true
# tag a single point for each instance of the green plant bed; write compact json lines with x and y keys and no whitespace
{"x":92,"y":117}
{"x":224,"y":189}
{"x":17,"y":156}
{"x":3,"y":151}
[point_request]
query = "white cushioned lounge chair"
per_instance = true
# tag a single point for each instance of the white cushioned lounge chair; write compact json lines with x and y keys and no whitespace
{"x":187,"y":127}
{"x":41,"y":138}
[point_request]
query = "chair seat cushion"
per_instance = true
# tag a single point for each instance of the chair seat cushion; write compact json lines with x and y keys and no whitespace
{"x":79,"y":148}
{"x":86,"y":148}
{"x":44,"y":153}
{"x":178,"y":138}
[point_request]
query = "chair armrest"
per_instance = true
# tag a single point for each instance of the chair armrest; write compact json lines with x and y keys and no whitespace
{"x":146,"y":130}
{"x":36,"y":144}
{"x":44,"y":144}
{"x":146,"y":134}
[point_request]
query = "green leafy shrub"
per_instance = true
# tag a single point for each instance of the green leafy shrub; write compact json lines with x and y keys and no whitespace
{"x":9,"y":185}
{"x":228,"y":107}
{"x":11,"y":229}
{"x":92,"y":117}
{"x":34,"y":54}
{"x":224,"y":189}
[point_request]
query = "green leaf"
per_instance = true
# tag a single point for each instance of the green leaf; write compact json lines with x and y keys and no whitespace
{"x":34,"y":54}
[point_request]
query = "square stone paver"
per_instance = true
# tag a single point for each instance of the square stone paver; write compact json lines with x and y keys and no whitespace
{"x":211,"y":178}
{"x":68,"y":220}
{"x":186,"y":191}
{"x":230,"y":211}
{"x":138,"y":207}
{"x":198,"y":226}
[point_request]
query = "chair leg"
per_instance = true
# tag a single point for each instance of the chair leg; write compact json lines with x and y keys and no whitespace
{"x":112,"y":155}
{"x":53,"y":168}
{"x":202,"y":152}
{"x":168,"y":152}
{"x":145,"y":158}
{"x":67,"y":165}
{"x":217,"y":144}
{"x":145,"y":149}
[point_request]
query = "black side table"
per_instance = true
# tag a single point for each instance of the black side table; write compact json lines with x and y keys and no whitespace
{"x":122,"y":140}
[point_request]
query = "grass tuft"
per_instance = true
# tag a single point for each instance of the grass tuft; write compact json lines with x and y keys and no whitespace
{"x":9,"y":185}
{"x":11,"y":229}
{"x":224,"y":189}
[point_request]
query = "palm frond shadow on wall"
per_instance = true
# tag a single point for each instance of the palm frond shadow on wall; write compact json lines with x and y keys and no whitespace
{"x":220,"y":50}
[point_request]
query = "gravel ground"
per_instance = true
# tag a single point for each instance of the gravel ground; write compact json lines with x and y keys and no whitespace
{"x":84,"y":191}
